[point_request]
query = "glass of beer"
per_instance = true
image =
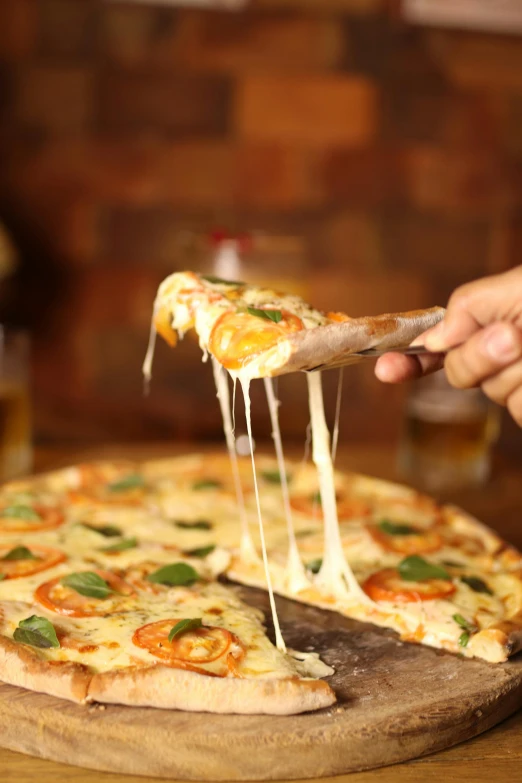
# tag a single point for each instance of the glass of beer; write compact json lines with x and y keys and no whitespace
{"x":15,"y":415}
{"x":447,"y":435}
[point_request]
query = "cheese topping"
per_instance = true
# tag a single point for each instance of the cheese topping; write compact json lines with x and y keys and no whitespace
{"x":278,"y":635}
{"x":296,"y":576}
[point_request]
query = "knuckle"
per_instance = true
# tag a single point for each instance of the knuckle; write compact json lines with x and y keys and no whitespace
{"x":459,"y":298}
{"x":454,"y":372}
{"x":460,"y":369}
{"x":495,"y":392}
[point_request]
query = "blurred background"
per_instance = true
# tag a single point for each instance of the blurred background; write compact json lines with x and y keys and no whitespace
{"x":372,"y":163}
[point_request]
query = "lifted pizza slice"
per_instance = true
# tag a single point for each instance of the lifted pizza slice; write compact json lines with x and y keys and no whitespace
{"x":261,"y":332}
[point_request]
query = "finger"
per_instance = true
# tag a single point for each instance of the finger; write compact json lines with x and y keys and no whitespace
{"x":475,"y":305}
{"x":483,"y":355}
{"x":396,"y":368}
{"x":502,"y":385}
{"x":514,"y":405}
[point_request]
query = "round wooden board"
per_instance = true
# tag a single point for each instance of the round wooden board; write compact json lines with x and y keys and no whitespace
{"x":396,"y":701}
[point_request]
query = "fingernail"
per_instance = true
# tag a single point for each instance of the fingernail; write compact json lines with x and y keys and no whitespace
{"x":501,"y":344}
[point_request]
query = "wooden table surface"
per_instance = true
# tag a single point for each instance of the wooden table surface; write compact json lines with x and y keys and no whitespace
{"x":496,"y":755}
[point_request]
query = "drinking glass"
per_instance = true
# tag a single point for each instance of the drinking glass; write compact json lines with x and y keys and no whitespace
{"x":15,"y":414}
{"x":447,"y":435}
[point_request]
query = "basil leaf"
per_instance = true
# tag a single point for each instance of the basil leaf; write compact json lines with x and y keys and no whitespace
{"x":467,"y":626}
{"x":464,"y":639}
{"x":201,"y":551}
{"x":2,"y":576}
{"x":21,"y":512}
{"x":315,"y":565}
{"x":397,"y":529}
{"x":125,"y":543}
{"x":199,"y":524}
{"x":274,"y":476}
{"x":415,"y":569}
{"x":174,"y":575}
{"x":316,"y":498}
{"x":451,"y":564}
{"x":88,"y":583}
{"x":36,"y":631}
{"x":460,"y":620}
{"x":20,"y":553}
{"x":219,"y":280}
{"x":132,"y":481}
{"x":183,"y":626}
{"x":268,"y":315}
{"x":109,"y":531}
{"x":207,"y":484}
{"x":476,"y":584}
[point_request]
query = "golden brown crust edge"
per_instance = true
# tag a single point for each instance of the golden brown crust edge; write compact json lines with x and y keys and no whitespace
{"x":168,"y":688}
{"x":159,"y":686}
{"x":20,"y":665}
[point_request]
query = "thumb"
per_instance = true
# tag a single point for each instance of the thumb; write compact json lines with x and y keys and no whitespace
{"x":476,"y":305}
{"x":454,"y":329}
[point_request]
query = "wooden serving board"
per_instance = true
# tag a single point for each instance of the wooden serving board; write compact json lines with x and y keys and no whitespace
{"x":396,"y":701}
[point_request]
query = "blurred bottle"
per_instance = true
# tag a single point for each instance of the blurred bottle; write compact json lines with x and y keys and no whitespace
{"x":447,"y":435}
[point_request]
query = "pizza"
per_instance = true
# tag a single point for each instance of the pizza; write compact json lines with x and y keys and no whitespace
{"x":112,"y":583}
{"x":262,"y":332}
{"x":117,"y":578}
{"x":109,"y":593}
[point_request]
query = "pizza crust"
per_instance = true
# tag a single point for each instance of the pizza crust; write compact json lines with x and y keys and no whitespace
{"x":168,"y":688}
{"x":160,"y":686}
{"x":333,"y":345}
{"x":21,"y":665}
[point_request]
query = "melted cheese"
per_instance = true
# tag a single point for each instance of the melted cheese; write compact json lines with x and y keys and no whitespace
{"x":248,"y":550}
{"x":278,"y":635}
{"x":149,"y":357}
{"x":296,"y":576}
{"x":335,"y":433}
{"x":111,"y":636}
{"x":335,"y":576}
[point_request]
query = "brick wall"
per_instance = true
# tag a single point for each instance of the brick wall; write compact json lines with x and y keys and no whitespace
{"x":394,"y":154}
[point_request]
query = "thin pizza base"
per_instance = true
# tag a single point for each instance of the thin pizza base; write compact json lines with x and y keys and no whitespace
{"x":160,"y":686}
{"x":169,"y":485}
{"x":98,"y":659}
{"x":500,"y":562}
{"x":301,"y":339}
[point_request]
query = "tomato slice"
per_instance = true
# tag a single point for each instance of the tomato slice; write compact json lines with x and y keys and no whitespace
{"x":95,"y":482}
{"x":136,"y":575}
{"x":387,"y":585}
{"x":236,"y":338}
{"x":348,"y":507}
{"x":338,"y":317}
{"x":200,"y":646}
{"x":14,"y":569}
{"x":163,"y":325}
{"x":48,"y":518}
{"x":420,"y":541}
{"x":64,"y":600}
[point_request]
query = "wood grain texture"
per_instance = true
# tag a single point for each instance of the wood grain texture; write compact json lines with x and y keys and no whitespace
{"x":396,"y":702}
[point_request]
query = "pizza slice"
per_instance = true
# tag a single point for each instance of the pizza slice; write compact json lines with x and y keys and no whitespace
{"x":432,"y":573}
{"x":261,"y":332}
{"x":118,"y":606}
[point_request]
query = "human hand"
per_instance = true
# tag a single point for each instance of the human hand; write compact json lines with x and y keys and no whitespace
{"x":481,"y":335}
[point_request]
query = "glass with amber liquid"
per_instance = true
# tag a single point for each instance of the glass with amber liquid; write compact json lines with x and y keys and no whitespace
{"x":447,"y":435}
{"x":15,"y":412}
